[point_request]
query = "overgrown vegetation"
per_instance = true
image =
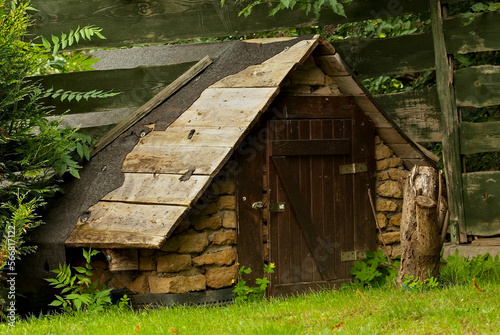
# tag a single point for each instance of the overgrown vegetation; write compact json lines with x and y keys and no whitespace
{"x":34,"y":152}
{"x":469,"y":307}
{"x":79,"y":293}
{"x":243,"y":292}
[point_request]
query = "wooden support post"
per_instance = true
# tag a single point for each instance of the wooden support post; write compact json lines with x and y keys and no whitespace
{"x":450,"y":128}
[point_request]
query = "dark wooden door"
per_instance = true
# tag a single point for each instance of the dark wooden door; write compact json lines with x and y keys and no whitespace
{"x":315,"y":212}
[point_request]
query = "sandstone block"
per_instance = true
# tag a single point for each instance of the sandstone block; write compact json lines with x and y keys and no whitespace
{"x":387,"y":163}
{"x":223,"y":185}
{"x":397,"y":174}
{"x":377,"y":140}
{"x":224,"y":257}
{"x":179,"y":284}
{"x":226,"y":202}
{"x":120,"y":280}
{"x":174,"y":263}
{"x":225,"y":237}
{"x":395,"y":220}
{"x":229,"y":219}
{"x":381,"y":220}
{"x":105,"y":277}
{"x":396,"y":250}
{"x":185,"y":243}
{"x":147,"y":252}
{"x":382,"y":151}
{"x":386,"y":206}
{"x":389,"y":238}
{"x":146,"y":264}
{"x":382,"y":176}
{"x":390,"y":189}
{"x":222,"y":277}
{"x":206,"y":222}
{"x":208,"y":209}
{"x":140,"y":285}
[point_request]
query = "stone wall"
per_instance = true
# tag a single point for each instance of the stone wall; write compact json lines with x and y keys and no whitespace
{"x":391,"y":176}
{"x":199,"y":255}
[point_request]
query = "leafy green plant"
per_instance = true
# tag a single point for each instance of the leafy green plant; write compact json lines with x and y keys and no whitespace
{"x":244,"y":292}
{"x":70,"y":95}
{"x":480,"y":7}
{"x":412,"y":283}
{"x":78,"y":291}
{"x":373,"y":271}
{"x":337,"y":6}
{"x":458,"y":270}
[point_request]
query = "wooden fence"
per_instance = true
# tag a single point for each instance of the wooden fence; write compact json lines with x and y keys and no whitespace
{"x":426,"y":115}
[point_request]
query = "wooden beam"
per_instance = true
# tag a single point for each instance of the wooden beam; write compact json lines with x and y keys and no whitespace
{"x":480,"y":35}
{"x":141,"y":23}
{"x":478,"y":86}
{"x":451,"y":143}
{"x":155,"y":101}
{"x":481,"y":203}
{"x":479,"y":137}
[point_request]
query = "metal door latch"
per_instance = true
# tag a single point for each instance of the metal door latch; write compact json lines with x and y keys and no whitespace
{"x":274,"y":207}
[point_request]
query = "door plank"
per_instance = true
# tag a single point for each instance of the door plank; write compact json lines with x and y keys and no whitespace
{"x":310,"y":147}
{"x":304,"y":218}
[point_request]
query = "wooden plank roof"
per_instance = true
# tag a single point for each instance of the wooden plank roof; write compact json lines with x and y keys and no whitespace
{"x":167,"y":171}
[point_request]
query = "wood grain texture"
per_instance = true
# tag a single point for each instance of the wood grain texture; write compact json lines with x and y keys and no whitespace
{"x":479,"y":137}
{"x":214,"y":136}
{"x":236,"y":107}
{"x":114,"y":224}
{"x":136,"y":85}
{"x":175,"y":159}
{"x":309,"y":147}
{"x":143,"y":110}
{"x":332,"y":65}
{"x":263,"y":75}
{"x":161,"y":189}
{"x":482,"y":196}
{"x":349,"y":86}
{"x":122,"y":259}
{"x":478,"y":86}
{"x":480,"y":35}
{"x":297,"y":53}
{"x":142,"y":23}
{"x":451,"y":149}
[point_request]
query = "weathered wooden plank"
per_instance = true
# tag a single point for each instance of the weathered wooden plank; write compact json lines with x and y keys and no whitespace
{"x":297,"y":53}
{"x":122,"y":259}
{"x":161,"y":189}
{"x":391,"y":136}
{"x":349,"y":86}
{"x":309,"y":147}
{"x":175,"y":159}
{"x":451,"y":144}
{"x":417,"y":113}
{"x":312,"y":107}
{"x":482,"y":196}
{"x":405,"y":151}
{"x":478,"y":86}
{"x":115,"y":224}
{"x":332,"y":65}
{"x":236,"y":107}
{"x":263,"y":75}
{"x":480,"y":35}
{"x":136,"y":85}
{"x":142,"y":23}
{"x":214,"y":136}
{"x":384,"y":56}
{"x":479,"y":137}
{"x":143,"y":110}
{"x":94,"y":119}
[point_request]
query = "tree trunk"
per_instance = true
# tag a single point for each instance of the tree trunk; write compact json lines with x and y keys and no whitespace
{"x":421,"y":225}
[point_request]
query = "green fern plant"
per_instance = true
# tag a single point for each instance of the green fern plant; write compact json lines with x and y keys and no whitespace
{"x":70,"y":95}
{"x":74,"y":36}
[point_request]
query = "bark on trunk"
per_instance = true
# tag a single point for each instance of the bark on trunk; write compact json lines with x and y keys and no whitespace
{"x":421,"y":225}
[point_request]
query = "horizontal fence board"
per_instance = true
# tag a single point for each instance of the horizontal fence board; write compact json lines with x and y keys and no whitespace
{"x":136,"y":85}
{"x":140,"y":23}
{"x":481,"y":35}
{"x":482,"y":196}
{"x":384,"y":56}
{"x":417,"y":113}
{"x":479,"y":137}
{"x":478,"y":86}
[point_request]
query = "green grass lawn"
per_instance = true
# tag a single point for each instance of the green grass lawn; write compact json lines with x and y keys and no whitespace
{"x":454,"y":310}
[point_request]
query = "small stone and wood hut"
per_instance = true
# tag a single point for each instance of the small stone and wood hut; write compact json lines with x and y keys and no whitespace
{"x":268,"y":153}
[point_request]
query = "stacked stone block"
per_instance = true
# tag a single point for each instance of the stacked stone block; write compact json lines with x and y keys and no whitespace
{"x":199,"y":255}
{"x":391,"y":176}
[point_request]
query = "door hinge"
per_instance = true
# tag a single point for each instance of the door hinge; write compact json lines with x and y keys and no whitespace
{"x":347,"y":256}
{"x":353,"y":168}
